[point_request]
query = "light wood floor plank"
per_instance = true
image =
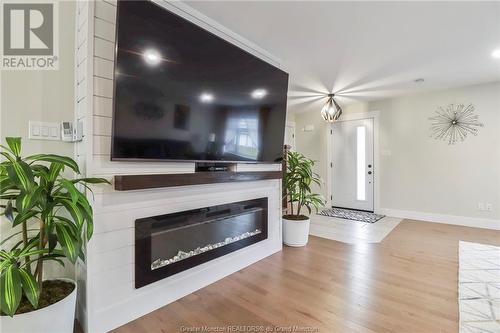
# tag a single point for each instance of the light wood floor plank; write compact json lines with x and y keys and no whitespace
{"x":407,"y":283}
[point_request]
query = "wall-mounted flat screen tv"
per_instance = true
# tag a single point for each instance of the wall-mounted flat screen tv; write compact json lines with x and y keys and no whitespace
{"x":185,"y":94}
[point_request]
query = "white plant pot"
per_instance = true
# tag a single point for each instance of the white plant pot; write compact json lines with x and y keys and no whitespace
{"x":56,"y":318}
{"x":295,"y":232}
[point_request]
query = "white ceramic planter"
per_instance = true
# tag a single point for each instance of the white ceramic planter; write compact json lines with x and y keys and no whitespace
{"x":295,"y":232}
{"x":56,"y":318}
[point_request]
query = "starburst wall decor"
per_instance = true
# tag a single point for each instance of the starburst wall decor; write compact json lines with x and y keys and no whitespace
{"x":454,"y":122}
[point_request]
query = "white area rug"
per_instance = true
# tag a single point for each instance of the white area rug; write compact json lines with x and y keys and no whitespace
{"x":479,"y":288}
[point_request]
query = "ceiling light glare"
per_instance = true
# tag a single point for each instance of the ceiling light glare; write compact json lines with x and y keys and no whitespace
{"x":152,"y":57}
{"x":259,"y":93}
{"x":206,"y":98}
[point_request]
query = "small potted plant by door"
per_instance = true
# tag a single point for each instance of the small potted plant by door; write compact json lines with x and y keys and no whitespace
{"x":51,"y":219}
{"x":297,"y":181}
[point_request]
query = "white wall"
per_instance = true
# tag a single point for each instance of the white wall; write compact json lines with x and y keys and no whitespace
{"x":420,"y":177}
{"x":41,"y":96}
{"x":425,"y":175}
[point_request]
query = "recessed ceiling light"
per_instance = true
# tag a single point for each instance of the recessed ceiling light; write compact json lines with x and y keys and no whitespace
{"x":152,"y":57}
{"x":259,"y":93}
{"x":206,"y":97}
{"x":496,"y":54}
{"x":419,"y":80}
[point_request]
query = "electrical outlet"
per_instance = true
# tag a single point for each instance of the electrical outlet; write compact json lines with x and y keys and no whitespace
{"x":480,"y":206}
{"x":489,"y":207}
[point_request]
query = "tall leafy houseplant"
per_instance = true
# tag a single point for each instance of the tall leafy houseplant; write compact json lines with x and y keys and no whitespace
{"x":53,"y":214}
{"x":298,"y":179}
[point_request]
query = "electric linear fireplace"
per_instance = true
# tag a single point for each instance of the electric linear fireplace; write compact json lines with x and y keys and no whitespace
{"x":168,"y":244}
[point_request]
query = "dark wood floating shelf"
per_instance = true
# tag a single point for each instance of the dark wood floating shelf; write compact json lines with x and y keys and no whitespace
{"x":138,"y":182}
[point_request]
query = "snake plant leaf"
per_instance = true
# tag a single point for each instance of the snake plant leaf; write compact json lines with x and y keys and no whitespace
{"x":10,"y":290}
{"x":6,"y":184}
{"x":71,"y":189}
{"x":10,"y":158}
{"x":54,"y":171}
{"x":73,"y":210}
{"x":30,"y":287}
{"x":20,"y":173}
{"x":41,"y":171}
{"x":68,"y":241}
{"x":26,"y":201}
{"x":14,"y":145}
{"x":51,"y":158}
{"x":89,"y":229}
{"x":22,"y":217}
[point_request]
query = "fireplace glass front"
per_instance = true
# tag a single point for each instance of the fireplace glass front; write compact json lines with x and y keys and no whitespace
{"x":168,"y":244}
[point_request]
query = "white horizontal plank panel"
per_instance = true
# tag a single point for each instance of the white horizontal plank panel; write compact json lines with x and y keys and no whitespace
{"x":103,"y":87}
{"x":104,"y":167}
{"x":104,"y":49}
{"x":105,"y":11}
{"x":124,"y":277}
{"x":108,"y":219}
{"x":103,"y":68}
{"x":108,"y":241}
{"x":103,"y":106}
{"x":118,"y":201}
{"x":110,"y":279}
{"x":125,"y":290}
{"x":102,"y":145}
{"x":102,"y":126}
{"x":113,"y":259}
{"x":104,"y":29}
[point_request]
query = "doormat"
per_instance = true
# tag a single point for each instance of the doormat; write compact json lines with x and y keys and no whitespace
{"x":350,"y":214}
{"x":479,"y":287}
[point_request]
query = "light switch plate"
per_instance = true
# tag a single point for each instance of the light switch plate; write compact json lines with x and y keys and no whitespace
{"x":40,"y":130}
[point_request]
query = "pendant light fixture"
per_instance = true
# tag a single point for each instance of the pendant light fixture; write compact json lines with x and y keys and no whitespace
{"x":331,"y":111}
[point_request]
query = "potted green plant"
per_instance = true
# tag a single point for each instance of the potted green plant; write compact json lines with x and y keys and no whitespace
{"x":51,"y":219}
{"x":297,"y":181}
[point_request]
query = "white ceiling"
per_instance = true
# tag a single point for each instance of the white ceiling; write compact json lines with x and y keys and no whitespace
{"x":368,"y":50}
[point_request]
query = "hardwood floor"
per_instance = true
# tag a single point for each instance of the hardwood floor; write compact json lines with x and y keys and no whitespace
{"x":406,"y":283}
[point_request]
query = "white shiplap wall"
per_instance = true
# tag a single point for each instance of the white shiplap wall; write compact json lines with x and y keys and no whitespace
{"x":112,"y":297}
{"x":107,"y":297}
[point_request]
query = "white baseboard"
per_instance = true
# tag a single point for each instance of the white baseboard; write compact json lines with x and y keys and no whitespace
{"x":474,"y":222}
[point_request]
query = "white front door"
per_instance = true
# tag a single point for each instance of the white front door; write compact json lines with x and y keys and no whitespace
{"x":352,"y":164}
